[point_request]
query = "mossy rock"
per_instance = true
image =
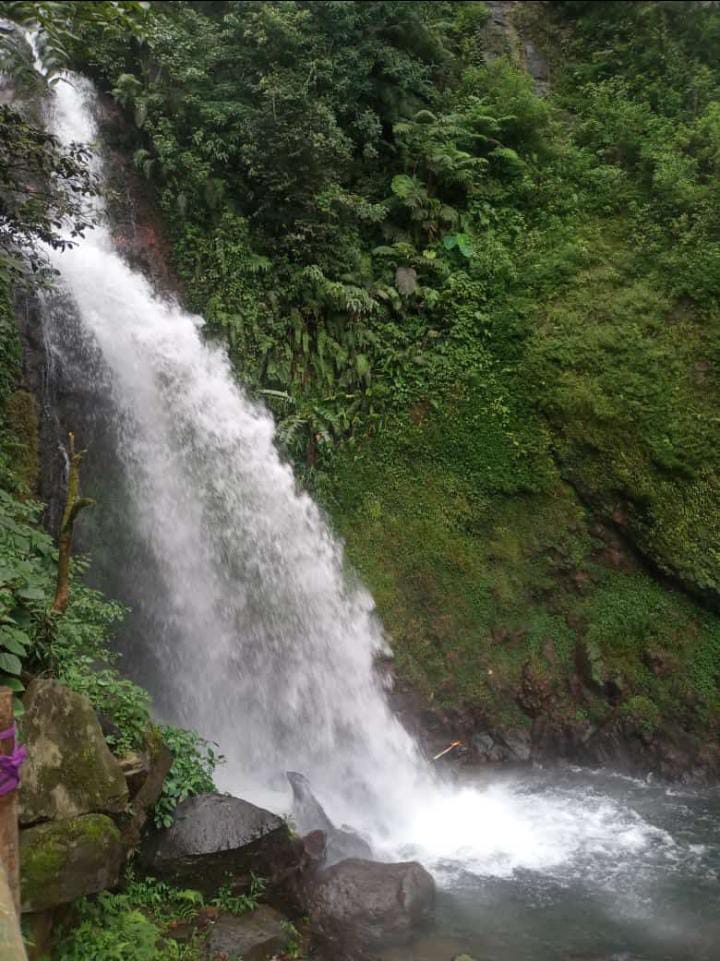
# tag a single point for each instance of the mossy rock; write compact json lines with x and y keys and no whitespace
{"x":70,"y":770}
{"x":64,"y":860}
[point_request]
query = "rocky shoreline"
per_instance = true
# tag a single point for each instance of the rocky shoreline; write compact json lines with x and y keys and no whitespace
{"x":85,"y":815}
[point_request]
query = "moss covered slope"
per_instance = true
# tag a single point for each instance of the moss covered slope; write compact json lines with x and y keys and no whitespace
{"x":487,"y":322}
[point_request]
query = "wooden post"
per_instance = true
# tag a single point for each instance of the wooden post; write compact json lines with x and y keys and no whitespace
{"x":11,"y":942}
{"x":9,"y":840}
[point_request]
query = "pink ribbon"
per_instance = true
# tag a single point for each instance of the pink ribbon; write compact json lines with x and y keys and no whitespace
{"x":10,"y":764}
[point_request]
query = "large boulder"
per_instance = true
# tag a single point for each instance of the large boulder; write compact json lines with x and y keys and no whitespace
{"x":258,"y":936}
{"x":309,"y":814}
{"x":69,"y":770}
{"x":216,"y":840}
{"x":64,"y":860}
{"x":364,"y":903}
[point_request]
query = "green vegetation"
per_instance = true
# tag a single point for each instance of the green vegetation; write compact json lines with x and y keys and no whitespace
{"x":133,"y":925}
{"x":44,"y":187}
{"x":140,"y":922}
{"x":485,"y":320}
{"x":194,"y":762}
{"x":234,"y":903}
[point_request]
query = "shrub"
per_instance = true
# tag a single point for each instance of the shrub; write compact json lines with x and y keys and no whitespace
{"x":194,"y":762}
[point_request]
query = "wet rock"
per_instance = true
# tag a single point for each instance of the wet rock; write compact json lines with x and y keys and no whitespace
{"x":135,"y":768}
{"x":315,"y":847}
{"x":307,"y":810}
{"x":258,"y":936}
{"x":361,"y":903}
{"x":494,"y":748}
{"x":487,"y":748}
{"x":537,"y":67}
{"x":215,"y":840}
{"x":70,"y":770}
{"x":341,"y":843}
{"x":518,"y":745}
{"x":64,"y":860}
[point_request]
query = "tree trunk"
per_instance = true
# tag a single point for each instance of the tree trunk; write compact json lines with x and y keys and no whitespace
{"x":73,"y":505}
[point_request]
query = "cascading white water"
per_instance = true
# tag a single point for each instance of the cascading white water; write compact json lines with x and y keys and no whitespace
{"x":264,"y":645}
{"x":270,"y":650}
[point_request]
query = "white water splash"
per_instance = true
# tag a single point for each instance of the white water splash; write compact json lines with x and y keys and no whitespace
{"x":505,"y":827}
{"x":265,"y":646}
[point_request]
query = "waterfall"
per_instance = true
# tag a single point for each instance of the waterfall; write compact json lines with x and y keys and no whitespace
{"x":263,"y":644}
{"x":259,"y":640}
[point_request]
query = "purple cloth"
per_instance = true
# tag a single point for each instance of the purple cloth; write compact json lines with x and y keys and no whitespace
{"x":10,"y":764}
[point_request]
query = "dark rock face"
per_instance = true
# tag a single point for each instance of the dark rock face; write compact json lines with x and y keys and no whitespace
{"x":64,"y":860}
{"x":356,"y":904}
{"x":315,"y":848}
{"x":340,"y":843}
{"x":667,"y":752}
{"x":70,"y":770}
{"x":258,"y":936}
{"x":216,"y":840}
{"x":494,"y":747}
{"x":307,"y":810}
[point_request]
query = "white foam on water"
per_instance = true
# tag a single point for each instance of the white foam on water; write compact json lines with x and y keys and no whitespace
{"x":503,"y":828}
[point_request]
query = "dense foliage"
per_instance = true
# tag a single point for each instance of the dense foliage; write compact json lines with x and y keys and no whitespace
{"x":485,"y":319}
{"x":139,"y":923}
{"x":485,"y":315}
{"x":45,"y":188}
{"x":194,"y":762}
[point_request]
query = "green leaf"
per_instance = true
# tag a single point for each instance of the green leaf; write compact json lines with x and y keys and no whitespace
{"x":511,"y":158}
{"x":31,"y":593}
{"x":464,"y":244}
{"x":10,"y":663}
{"x":403,"y":185}
{"x":13,"y":645}
{"x":362,"y":366}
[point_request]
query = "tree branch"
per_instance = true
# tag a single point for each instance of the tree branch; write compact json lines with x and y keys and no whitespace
{"x":73,"y":505}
